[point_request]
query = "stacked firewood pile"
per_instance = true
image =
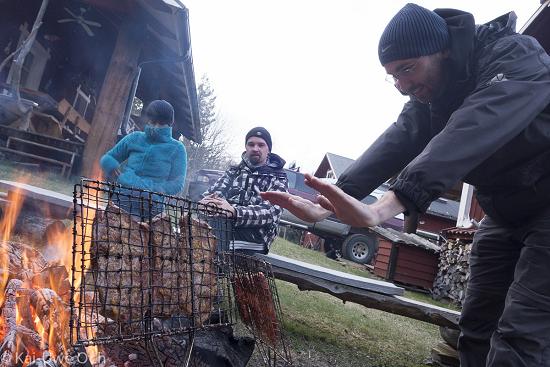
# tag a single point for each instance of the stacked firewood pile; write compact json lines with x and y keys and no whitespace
{"x":453,"y":274}
{"x":451,"y":283}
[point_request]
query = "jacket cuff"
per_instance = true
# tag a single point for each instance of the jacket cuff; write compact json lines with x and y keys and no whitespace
{"x":108,"y":164}
{"x":411,"y":196}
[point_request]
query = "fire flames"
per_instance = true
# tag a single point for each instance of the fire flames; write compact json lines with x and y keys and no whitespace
{"x":35,"y":291}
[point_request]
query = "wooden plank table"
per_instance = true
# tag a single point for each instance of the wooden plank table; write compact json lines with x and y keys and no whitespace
{"x":50,"y":203}
{"x":368,"y":292}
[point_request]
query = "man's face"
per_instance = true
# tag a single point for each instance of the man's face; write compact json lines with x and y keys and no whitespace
{"x":256,"y":150}
{"x":423,"y":77}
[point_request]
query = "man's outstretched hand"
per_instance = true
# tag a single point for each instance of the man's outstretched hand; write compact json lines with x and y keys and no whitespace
{"x":300,"y":207}
{"x":346,"y":208}
{"x":333,"y":200}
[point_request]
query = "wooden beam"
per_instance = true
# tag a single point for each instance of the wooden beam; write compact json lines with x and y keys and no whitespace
{"x":118,"y":6}
{"x":113,"y":96}
{"x":316,"y":281}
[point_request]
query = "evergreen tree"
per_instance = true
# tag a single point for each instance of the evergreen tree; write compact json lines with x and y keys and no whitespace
{"x":212,"y":152}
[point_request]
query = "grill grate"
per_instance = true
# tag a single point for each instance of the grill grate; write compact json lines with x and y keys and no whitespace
{"x":146,"y":265}
{"x":259,"y":308}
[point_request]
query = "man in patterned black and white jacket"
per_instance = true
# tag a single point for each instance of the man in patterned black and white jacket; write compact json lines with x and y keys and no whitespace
{"x":238,"y":192}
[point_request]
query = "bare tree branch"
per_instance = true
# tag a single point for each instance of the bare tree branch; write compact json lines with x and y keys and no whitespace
{"x":212,"y":152}
{"x":9,"y":57}
{"x":25,"y":49}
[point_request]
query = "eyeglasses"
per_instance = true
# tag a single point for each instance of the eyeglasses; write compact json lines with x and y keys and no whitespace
{"x":406,"y":72}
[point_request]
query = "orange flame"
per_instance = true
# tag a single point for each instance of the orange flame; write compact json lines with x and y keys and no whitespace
{"x":59,"y":240}
{"x":7,"y":223}
{"x":16,"y":200}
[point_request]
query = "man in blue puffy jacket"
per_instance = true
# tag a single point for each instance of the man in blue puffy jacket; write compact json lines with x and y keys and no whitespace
{"x":148,"y":160}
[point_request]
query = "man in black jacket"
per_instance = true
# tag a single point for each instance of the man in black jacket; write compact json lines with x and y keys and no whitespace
{"x":478,"y":111}
{"x":238,"y":192}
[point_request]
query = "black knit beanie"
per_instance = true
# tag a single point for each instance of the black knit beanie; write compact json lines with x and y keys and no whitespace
{"x":260,"y":132}
{"x":413,"y":32}
{"x":160,"y":111}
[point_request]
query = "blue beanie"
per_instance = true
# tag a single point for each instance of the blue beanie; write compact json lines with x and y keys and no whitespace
{"x":413,"y":32}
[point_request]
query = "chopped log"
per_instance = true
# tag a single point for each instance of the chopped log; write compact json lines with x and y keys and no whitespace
{"x":34,"y":344}
{"x":9,"y":317}
{"x":453,"y":271}
{"x":40,"y":230}
{"x":54,"y":277}
{"x":39,"y":362}
{"x":31,"y":342}
{"x":54,"y":315}
{"x":445,"y":356}
{"x":23,"y":260}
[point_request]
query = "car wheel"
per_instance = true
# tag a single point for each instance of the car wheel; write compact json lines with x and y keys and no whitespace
{"x":359,"y":248}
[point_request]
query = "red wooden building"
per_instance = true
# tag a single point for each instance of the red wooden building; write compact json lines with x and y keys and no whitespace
{"x":406,"y":258}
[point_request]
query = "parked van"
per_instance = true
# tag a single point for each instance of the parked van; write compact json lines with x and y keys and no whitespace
{"x":201,"y":181}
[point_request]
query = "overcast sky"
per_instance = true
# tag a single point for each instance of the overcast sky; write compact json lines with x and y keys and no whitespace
{"x":307,"y":70}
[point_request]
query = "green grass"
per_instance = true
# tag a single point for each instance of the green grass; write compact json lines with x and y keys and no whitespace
{"x":322,"y":330}
{"x":289,"y":249}
{"x":44,"y":179}
{"x":347,"y":334}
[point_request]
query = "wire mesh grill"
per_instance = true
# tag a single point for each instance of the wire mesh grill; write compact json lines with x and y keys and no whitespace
{"x":141,"y":259}
{"x":259,"y":308}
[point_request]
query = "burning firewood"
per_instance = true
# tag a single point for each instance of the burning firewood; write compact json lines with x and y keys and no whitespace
{"x":34,"y":346}
{"x":30,"y":340}
{"x":53,"y":313}
{"x":56,"y":277}
{"x":9,"y":318}
{"x":23,"y":261}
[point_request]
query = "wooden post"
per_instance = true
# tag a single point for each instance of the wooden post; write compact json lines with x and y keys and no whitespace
{"x":113,"y":96}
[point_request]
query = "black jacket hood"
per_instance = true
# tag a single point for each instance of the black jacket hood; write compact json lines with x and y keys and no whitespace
{"x":274,"y":163}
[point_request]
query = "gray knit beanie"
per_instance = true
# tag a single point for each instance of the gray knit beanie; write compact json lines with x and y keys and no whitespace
{"x":413,"y":32}
{"x":262,"y":133}
{"x":160,"y":111}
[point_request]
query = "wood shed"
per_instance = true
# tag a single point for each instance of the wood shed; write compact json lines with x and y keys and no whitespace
{"x":406,"y":258}
{"x":77,"y":82}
